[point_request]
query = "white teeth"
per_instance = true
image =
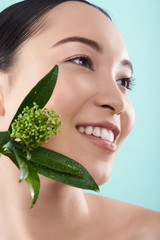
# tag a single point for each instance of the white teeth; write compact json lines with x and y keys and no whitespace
{"x":97,"y":132}
{"x":103,"y":133}
{"x":88,"y":130}
{"x":107,"y":135}
{"x":111,"y":136}
{"x":81,"y":129}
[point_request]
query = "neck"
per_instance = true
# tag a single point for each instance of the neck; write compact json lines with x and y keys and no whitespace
{"x":59,"y":206}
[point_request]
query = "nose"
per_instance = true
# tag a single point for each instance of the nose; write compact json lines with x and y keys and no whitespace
{"x":111,"y":97}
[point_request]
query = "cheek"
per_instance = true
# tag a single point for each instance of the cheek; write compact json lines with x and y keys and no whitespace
{"x":69,"y":95}
{"x":127,"y":120}
{"x":65,"y":101}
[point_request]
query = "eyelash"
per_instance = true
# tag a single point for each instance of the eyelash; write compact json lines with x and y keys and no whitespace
{"x":129,"y":81}
{"x":87,"y":63}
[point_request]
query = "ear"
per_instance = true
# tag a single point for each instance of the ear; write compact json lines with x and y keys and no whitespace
{"x":3,"y":87}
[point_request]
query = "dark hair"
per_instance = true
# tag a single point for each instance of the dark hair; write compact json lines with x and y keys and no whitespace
{"x":20,"y":21}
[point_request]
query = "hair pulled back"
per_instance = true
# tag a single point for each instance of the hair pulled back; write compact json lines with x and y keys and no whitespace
{"x":22,"y":20}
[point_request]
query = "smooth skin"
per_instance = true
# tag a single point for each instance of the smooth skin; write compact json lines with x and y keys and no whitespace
{"x":89,"y":90}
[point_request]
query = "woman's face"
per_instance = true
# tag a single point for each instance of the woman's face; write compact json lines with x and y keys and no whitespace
{"x":90,"y":94}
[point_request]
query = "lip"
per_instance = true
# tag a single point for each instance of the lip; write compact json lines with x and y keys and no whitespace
{"x":111,"y":146}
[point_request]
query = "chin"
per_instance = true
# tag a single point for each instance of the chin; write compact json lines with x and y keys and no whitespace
{"x":101,"y":176}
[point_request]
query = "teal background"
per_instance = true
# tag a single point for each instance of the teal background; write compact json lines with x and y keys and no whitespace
{"x":135,"y":176}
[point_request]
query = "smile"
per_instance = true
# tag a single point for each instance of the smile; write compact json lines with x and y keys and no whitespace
{"x":98,"y":132}
{"x":102,"y":134}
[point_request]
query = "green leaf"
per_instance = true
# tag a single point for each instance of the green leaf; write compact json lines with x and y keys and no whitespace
{"x":85,"y":183}
{"x":51,"y":159}
{"x":20,"y":160}
{"x":60,"y":168}
{"x":33,"y":183}
{"x":32,"y":180}
{"x":57,"y":161}
{"x":4,"y":138}
{"x":40,"y":94}
{"x":11,"y":156}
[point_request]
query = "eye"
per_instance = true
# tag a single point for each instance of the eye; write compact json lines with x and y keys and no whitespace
{"x":84,"y":61}
{"x":126,"y":82}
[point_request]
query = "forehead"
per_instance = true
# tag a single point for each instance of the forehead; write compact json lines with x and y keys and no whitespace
{"x":81,"y":13}
{"x":75,"y":19}
{"x":79,"y":19}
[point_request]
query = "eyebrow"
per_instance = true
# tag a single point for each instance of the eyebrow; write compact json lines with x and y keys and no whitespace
{"x":93,"y":44}
{"x":128,"y":64}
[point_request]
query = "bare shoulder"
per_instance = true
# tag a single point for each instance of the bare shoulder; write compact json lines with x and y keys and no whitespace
{"x":127,"y":220}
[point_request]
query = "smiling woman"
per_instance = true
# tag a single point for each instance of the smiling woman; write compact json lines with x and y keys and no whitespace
{"x":91,"y":95}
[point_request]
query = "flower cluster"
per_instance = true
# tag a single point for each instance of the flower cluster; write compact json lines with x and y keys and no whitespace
{"x":34,"y":126}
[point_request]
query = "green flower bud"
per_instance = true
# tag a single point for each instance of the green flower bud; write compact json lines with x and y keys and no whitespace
{"x":35,"y":126}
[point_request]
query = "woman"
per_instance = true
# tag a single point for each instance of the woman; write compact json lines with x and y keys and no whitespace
{"x":97,"y":115}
